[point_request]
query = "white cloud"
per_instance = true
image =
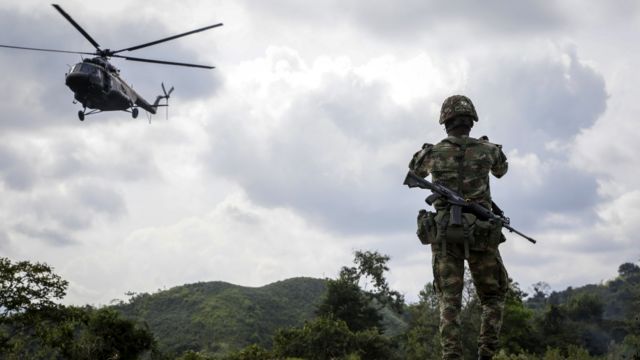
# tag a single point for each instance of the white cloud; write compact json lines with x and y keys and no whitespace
{"x":290,"y":154}
{"x":527,"y":170}
{"x":237,"y":241}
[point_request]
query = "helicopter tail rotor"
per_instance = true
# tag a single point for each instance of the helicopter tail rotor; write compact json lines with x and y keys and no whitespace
{"x":165,"y":96}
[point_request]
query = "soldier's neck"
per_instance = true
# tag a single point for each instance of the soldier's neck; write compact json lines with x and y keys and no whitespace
{"x":458,"y":132}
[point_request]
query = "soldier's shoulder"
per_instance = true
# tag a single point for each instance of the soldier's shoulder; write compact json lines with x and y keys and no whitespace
{"x":424,"y":150}
{"x":484,"y":141}
{"x":427,"y":147}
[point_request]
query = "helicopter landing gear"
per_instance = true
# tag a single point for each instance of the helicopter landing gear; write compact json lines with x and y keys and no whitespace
{"x":134,"y":113}
{"x":82,"y":113}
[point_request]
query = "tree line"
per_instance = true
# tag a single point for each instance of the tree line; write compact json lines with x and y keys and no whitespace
{"x":593,"y":322}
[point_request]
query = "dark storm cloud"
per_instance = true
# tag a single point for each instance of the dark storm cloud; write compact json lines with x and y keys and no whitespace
{"x":565,"y":190}
{"x":118,"y":161}
{"x":101,"y":199}
{"x":29,"y":164}
{"x":299,"y":166}
{"x":33,"y":82}
{"x":5,"y":241}
{"x":69,"y":206}
{"x":66,"y":185}
{"x":323,"y":160}
{"x":392,"y":17}
{"x":361,"y":110}
{"x":52,"y":237}
{"x":15,"y":173}
{"x":398,"y":19}
{"x":527,"y":103}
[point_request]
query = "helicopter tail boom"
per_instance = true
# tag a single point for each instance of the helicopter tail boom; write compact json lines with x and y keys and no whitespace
{"x":153,"y":108}
{"x":161,"y":97}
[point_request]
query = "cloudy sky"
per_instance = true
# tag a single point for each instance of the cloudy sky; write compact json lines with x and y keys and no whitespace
{"x":290,"y":154}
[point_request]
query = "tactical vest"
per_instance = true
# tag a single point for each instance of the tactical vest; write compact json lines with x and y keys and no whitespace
{"x":463,"y":165}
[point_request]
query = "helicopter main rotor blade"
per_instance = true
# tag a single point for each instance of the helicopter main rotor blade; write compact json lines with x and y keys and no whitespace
{"x":78,"y":27}
{"x":167,"y":39}
{"x":163,"y":62}
{"x":49,"y":50}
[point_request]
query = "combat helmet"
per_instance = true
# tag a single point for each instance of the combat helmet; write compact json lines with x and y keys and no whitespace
{"x":457,"y":105}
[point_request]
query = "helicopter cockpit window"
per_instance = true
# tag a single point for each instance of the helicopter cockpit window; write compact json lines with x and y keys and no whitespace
{"x":85,"y":68}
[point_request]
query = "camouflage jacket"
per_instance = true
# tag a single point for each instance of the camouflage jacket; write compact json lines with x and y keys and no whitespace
{"x":463,"y":165}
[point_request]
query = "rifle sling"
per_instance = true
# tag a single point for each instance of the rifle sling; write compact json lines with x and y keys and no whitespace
{"x":463,"y":150}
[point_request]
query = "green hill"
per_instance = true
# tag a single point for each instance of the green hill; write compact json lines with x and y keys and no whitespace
{"x":217,"y":317}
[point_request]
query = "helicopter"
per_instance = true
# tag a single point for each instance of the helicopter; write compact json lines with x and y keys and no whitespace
{"x":97,"y":84}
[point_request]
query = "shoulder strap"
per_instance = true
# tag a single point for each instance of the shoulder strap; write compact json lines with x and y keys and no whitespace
{"x":460,"y":158}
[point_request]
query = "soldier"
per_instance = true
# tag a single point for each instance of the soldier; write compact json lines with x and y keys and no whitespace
{"x":463,"y":164}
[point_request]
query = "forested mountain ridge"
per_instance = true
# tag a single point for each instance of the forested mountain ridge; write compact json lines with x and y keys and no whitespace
{"x":217,"y":317}
{"x":306,"y":318}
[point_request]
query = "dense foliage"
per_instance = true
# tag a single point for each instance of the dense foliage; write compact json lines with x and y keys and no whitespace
{"x":33,"y":326}
{"x":28,"y":286}
{"x":592,"y":322}
{"x":349,"y":322}
{"x":354,"y":316}
{"x":217,"y":317}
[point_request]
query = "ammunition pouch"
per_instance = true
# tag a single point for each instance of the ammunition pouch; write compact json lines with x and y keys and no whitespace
{"x":451,"y":227}
{"x":455,"y":232}
{"x":426,"y":227}
{"x":488,"y":234}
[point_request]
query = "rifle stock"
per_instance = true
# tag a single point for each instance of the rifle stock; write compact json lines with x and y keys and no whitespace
{"x":412,"y":180}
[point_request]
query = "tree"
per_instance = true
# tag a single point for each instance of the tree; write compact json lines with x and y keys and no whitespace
{"x":541,"y":291}
{"x":322,"y":338}
{"x":349,"y":323}
{"x":423,"y":338}
{"x":344,"y":300}
{"x":33,"y":326}
{"x":28,"y":286}
{"x":327,"y":338}
{"x":360,"y":308}
{"x":585,"y":307}
{"x":251,"y":352}
{"x":517,"y":333}
{"x":371,"y":266}
{"x":628,"y":270}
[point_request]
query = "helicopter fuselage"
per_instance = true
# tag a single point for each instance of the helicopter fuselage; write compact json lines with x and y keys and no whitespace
{"x":95,"y":82}
{"x":95,"y":85}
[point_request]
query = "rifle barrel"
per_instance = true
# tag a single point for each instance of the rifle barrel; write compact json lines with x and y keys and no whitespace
{"x":519,"y":233}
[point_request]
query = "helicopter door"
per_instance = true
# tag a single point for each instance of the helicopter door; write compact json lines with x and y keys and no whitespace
{"x":107,"y":82}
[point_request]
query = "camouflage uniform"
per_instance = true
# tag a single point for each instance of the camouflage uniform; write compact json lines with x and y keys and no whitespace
{"x":463,"y":164}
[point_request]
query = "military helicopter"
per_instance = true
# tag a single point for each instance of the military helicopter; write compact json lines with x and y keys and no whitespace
{"x":97,"y":84}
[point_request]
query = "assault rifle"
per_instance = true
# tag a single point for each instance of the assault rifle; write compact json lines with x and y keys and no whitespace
{"x":460,"y":204}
